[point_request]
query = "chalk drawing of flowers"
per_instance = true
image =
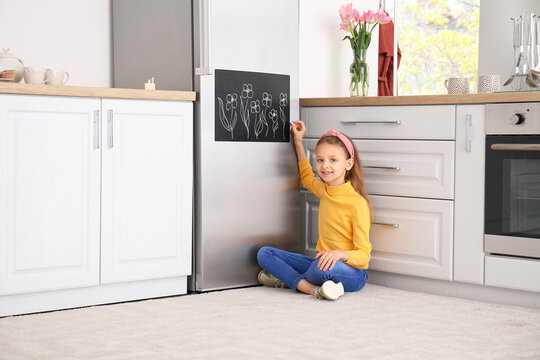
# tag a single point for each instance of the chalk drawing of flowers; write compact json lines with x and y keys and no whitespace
{"x":266,"y":99}
{"x":247,"y":93}
{"x":256,"y":109}
{"x":274,"y":118}
{"x":282,"y":104}
{"x":266,"y":102}
{"x":232,"y":103}
{"x":282,"y":99}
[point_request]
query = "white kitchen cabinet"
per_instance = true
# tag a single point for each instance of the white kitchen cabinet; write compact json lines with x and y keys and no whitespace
{"x":96,"y":200}
{"x":146,"y":190}
{"x":50,"y":193}
{"x":469,"y":194}
{"x":423,"y":236}
{"x":407,"y":155}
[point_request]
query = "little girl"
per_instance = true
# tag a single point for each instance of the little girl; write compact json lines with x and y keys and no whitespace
{"x":343,"y":248}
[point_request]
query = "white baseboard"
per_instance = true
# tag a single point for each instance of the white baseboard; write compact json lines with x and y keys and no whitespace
{"x":95,"y":295}
{"x":455,"y":289}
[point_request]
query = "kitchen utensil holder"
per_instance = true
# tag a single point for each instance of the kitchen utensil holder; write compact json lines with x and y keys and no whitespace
{"x":526,"y":42}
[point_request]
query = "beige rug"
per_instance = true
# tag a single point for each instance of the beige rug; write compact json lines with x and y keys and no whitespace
{"x":265,"y":323}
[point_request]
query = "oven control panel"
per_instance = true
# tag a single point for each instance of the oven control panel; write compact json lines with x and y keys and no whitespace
{"x":513,"y":118}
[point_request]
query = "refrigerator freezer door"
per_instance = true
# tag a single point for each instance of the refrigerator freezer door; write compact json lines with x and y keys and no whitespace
{"x":246,"y":193}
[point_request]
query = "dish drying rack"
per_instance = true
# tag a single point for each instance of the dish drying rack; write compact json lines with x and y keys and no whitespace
{"x":526,"y":71}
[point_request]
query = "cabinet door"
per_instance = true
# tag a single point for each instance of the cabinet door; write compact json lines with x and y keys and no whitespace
{"x":146,"y":189}
{"x":49,"y":191}
{"x":469,"y":194}
{"x":412,"y":236}
{"x":409,"y":236}
{"x":309,"y":205}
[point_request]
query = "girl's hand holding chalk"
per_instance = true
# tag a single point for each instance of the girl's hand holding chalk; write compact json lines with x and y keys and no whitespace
{"x":298,"y":129}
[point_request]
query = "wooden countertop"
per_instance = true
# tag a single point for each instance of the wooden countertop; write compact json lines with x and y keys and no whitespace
{"x":486,"y":98}
{"x":100,"y":92}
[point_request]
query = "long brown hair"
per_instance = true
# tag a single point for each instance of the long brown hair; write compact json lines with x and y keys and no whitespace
{"x":354,"y":175}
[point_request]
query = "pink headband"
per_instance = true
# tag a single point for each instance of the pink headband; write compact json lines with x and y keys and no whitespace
{"x":345,"y":140}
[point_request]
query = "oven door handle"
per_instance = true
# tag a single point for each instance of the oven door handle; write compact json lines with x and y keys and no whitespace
{"x":515,"y":147}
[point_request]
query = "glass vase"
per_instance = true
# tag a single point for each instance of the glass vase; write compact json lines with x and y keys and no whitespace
{"x":359,"y":72}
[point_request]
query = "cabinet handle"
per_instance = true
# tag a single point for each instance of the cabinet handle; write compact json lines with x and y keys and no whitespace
{"x":468,"y":124}
{"x":394,"y":225}
{"x":96,"y":129}
{"x":397,"y":168}
{"x":110,"y":128}
{"x":392,"y":122}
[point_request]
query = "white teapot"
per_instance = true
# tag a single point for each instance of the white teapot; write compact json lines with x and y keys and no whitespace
{"x":10,"y":62}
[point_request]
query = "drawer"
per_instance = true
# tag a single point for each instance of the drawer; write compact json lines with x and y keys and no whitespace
{"x":512,"y":273}
{"x":382,"y":122}
{"x":404,"y":167}
{"x":412,"y":236}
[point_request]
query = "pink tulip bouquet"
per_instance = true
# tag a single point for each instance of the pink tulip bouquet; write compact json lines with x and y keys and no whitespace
{"x":360,"y":28}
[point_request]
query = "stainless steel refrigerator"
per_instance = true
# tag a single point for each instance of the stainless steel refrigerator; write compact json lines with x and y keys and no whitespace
{"x":246,"y":186}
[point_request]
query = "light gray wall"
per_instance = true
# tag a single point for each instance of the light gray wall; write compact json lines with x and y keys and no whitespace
{"x":495,"y":55}
{"x":73,"y":35}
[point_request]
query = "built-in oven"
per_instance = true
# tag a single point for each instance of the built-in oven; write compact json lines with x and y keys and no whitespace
{"x":512,"y":182}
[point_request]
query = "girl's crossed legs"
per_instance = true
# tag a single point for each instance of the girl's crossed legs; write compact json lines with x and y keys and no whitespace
{"x":292,"y":268}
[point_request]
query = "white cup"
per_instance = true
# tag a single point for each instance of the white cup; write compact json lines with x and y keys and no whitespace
{"x":34,"y":75}
{"x":489,"y":83}
{"x":56,"y":77}
{"x":457,"y":85}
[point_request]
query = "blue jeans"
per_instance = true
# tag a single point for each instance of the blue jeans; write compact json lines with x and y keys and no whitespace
{"x":291,"y":268}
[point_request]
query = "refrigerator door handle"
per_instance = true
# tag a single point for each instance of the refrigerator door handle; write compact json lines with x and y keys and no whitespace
{"x":205,"y":28}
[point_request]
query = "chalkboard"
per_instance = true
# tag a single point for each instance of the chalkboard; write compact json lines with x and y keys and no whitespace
{"x":252,"y":106}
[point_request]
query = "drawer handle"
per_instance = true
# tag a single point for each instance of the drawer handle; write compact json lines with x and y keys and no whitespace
{"x":394,"y":225}
{"x":397,"y":168}
{"x":392,"y":122}
{"x":516,"y":147}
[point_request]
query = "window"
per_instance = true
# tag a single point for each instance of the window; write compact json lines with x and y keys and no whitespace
{"x":438,"y":39}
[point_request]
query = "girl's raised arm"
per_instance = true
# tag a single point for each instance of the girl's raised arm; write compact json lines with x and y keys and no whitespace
{"x":298,"y":130}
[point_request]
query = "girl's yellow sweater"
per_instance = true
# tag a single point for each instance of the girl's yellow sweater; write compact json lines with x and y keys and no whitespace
{"x":344,"y":218}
